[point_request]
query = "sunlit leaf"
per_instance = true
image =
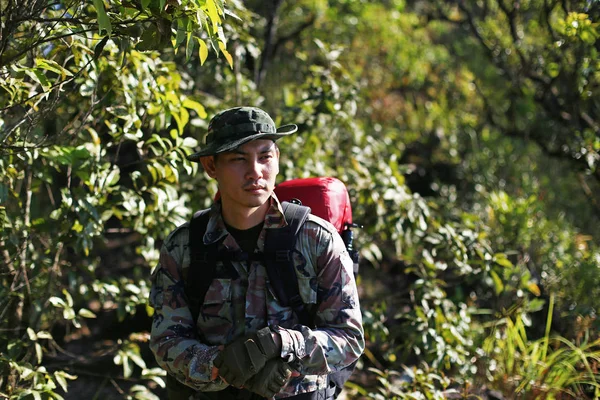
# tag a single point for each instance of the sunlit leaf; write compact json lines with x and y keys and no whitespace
{"x":203,"y":50}
{"x":226,"y":54}
{"x":194,"y":105}
{"x":85,"y":313}
{"x":31,"y":334}
{"x":498,"y":284}
{"x":534,"y":288}
{"x":213,"y":14}
{"x":53,"y":66}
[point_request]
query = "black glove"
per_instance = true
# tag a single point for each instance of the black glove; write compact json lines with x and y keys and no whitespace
{"x":271,"y":379}
{"x":245,"y":356}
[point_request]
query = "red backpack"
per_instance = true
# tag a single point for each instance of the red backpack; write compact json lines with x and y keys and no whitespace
{"x":327,"y":198}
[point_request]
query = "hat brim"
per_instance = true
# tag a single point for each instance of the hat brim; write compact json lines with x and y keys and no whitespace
{"x":211,"y":150}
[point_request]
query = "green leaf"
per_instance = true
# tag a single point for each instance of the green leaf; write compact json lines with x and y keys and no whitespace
{"x":44,"y":335}
{"x":553,"y":69}
{"x":24,"y":394}
{"x":127,"y":370}
{"x":119,"y":111}
{"x":113,"y":177}
{"x":39,"y":77}
{"x":103,"y":20}
{"x":213,"y":14}
{"x":85,"y":313}
{"x":38,"y":353}
{"x":498,"y":285}
{"x":61,"y":380}
{"x":501,"y":259}
{"x":145,"y":4}
{"x":189,"y":47}
{"x":181,"y":31}
{"x":137,"y":360}
{"x":194,"y":105}
{"x":31,"y":334}
{"x":57,"y":301}
{"x":203,"y":51}
{"x":100,"y":46}
{"x":53,"y":66}
{"x":534,"y":288}
{"x":68,"y":314}
{"x":228,"y":56}
{"x":184,"y":117}
{"x":179,"y":122}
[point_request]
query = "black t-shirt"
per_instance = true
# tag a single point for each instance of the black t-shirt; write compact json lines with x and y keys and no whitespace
{"x":246,"y":238}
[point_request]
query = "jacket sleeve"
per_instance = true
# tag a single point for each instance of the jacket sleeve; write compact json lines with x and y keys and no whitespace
{"x":338,"y":339}
{"x":174,"y":339}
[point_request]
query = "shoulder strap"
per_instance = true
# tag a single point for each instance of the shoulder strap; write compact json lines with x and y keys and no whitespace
{"x":202,"y":263}
{"x":279,"y":249}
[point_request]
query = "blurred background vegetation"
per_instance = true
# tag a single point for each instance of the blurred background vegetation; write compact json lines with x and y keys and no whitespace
{"x":468,"y":133}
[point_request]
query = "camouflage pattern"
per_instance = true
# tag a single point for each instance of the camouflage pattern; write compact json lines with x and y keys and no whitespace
{"x":233,"y":127}
{"x":241,"y":301}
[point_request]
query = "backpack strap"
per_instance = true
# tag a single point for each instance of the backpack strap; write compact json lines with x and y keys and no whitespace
{"x":202,"y":263}
{"x":279,"y":250}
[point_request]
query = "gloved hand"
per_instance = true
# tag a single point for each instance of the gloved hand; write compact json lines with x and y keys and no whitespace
{"x":245,"y":356}
{"x":271,"y":379}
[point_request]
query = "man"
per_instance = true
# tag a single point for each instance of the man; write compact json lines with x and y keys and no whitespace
{"x":244,"y":343}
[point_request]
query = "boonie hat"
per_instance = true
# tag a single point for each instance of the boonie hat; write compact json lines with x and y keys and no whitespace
{"x":232,"y":128}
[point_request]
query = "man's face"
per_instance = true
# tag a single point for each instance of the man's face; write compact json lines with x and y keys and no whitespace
{"x":246,"y":175}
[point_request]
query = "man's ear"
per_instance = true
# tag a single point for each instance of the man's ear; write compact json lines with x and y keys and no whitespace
{"x":208,"y":163}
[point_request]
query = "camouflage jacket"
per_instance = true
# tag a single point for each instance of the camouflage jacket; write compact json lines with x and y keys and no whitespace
{"x":246,"y":303}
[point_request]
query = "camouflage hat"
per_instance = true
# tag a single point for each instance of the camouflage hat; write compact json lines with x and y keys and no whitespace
{"x":232,"y":128}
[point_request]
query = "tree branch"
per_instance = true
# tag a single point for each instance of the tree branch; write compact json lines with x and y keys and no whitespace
{"x":511,"y":15}
{"x":9,"y":60}
{"x":26,"y":227}
{"x":268,"y":50}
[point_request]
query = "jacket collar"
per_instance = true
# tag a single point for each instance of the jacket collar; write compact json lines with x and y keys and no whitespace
{"x":216,"y":229}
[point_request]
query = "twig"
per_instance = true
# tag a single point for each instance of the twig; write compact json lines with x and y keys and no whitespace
{"x":50,"y":195}
{"x":114,"y":383}
{"x":27,"y":227}
{"x":42,"y":41}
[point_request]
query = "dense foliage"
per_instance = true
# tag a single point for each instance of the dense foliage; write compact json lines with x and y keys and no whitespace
{"x":467,"y":132}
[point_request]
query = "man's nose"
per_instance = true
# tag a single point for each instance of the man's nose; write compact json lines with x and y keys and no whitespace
{"x":254,"y":170}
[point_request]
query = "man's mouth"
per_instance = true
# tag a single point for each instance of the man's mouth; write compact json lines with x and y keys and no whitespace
{"x":254,"y":188}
